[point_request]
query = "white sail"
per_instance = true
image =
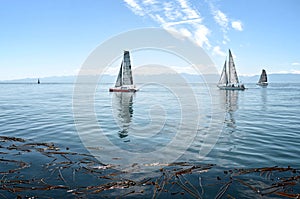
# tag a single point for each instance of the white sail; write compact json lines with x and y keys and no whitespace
{"x":232,"y":75}
{"x":263,"y":77}
{"x":223,"y":78}
{"x":119,"y":79}
{"x":127,"y":75}
{"x":229,"y":79}
{"x":124,"y":81}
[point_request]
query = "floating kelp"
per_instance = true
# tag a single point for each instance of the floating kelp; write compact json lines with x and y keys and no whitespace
{"x":5,"y":139}
{"x":31,"y":170}
{"x":18,"y":164}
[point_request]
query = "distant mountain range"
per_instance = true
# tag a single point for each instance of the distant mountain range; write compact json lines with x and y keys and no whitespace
{"x":272,"y":78}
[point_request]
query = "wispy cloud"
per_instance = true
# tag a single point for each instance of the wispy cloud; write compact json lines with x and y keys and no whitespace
{"x":295,"y":71}
{"x":224,"y":23}
{"x":135,"y":7}
{"x":287,"y":72}
{"x":296,"y":64}
{"x":188,"y":21}
{"x":220,"y":18}
{"x":237,"y":25}
{"x":200,"y":35}
{"x":185,"y":32}
{"x":217,"y":50}
{"x":182,"y":17}
{"x":176,"y":15}
{"x":223,"y":20}
{"x":149,"y":2}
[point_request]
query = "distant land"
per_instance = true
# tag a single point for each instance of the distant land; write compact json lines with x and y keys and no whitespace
{"x":272,"y":78}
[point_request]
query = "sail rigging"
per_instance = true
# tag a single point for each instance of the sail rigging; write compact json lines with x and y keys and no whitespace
{"x":124,"y":81}
{"x":263,"y":80}
{"x":119,"y":79}
{"x":229,"y":78}
{"x":233,"y":78}
{"x":263,"y":77}
{"x":223,"y":78}
{"x":127,"y":75}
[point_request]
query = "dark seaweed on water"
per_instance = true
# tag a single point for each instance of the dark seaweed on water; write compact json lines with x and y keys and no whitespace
{"x":43,"y":170}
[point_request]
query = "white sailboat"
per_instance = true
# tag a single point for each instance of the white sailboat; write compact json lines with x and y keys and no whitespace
{"x":229,"y":79}
{"x":124,"y":81}
{"x":263,"y":80}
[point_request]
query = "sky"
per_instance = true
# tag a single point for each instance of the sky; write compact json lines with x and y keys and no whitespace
{"x":54,"y":37}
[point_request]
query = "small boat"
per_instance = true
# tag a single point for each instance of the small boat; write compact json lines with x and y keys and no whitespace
{"x":263,"y":80}
{"x":124,"y":81}
{"x":229,"y":79}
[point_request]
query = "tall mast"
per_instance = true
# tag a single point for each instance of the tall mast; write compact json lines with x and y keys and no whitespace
{"x":229,"y":66}
{"x":233,"y":78}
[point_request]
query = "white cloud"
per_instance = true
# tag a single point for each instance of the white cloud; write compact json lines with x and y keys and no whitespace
{"x":190,"y":21}
{"x":183,"y":3}
{"x":237,"y":25}
{"x":185,"y":32}
{"x":295,"y":71}
{"x":170,"y":12}
{"x":180,"y":16}
{"x":221,"y":18}
{"x":147,"y":2}
{"x":190,"y":13}
{"x":158,"y":18}
{"x":136,"y":8}
{"x":176,"y":15}
{"x":224,"y":22}
{"x":201,"y":35}
{"x":287,"y":72}
{"x":217,"y":51}
{"x":296,"y":64}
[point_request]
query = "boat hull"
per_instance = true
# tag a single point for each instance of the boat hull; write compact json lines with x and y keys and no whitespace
{"x":241,"y":88}
{"x":262,"y":84}
{"x":122,"y":89}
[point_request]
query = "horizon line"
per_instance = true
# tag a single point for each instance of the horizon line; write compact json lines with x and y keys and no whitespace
{"x":65,"y":76}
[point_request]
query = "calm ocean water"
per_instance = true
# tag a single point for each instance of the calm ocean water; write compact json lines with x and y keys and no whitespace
{"x":260,"y":126}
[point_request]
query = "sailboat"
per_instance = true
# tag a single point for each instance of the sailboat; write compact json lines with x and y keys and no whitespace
{"x":263,"y":80}
{"x":124,"y":81}
{"x":229,"y":79}
{"x":38,"y":81}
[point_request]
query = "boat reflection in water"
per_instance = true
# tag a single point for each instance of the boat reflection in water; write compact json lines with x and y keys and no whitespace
{"x":264,"y":98}
{"x":230,"y":137}
{"x":231,"y":106}
{"x":123,"y":110}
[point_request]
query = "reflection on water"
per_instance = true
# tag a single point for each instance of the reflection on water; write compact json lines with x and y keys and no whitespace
{"x":263,"y":95}
{"x":225,"y":149}
{"x":231,"y":106}
{"x":123,"y":110}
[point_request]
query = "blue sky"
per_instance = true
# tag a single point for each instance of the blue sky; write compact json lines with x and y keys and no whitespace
{"x":54,"y":37}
